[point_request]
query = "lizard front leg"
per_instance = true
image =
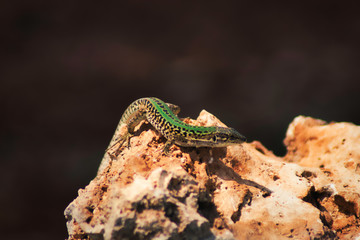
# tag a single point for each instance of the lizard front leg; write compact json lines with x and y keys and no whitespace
{"x":167,"y":146}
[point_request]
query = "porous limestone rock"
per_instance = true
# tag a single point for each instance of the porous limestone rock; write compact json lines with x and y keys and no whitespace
{"x":239,"y":192}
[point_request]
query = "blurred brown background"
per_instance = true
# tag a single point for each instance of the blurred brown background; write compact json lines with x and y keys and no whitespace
{"x":69,"y":69}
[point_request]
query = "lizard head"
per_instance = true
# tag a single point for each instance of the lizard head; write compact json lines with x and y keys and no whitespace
{"x":227,"y":136}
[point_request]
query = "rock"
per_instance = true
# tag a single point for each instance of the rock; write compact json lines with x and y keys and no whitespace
{"x":331,"y":153}
{"x":238,"y":192}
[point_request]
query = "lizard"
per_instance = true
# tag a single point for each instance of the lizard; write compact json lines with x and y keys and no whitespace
{"x":163,"y":117}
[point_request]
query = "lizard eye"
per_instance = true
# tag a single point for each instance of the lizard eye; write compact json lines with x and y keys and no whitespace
{"x":214,"y":138}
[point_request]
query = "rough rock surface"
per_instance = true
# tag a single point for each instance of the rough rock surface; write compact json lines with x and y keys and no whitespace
{"x":238,"y":192}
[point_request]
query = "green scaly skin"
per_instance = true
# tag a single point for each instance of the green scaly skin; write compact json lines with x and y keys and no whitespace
{"x":162,"y":116}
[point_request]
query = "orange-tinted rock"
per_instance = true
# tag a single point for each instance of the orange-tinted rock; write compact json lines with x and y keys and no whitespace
{"x":238,"y":192}
{"x":332,"y":153}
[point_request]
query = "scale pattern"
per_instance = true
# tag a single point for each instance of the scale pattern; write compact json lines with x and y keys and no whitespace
{"x":163,"y":117}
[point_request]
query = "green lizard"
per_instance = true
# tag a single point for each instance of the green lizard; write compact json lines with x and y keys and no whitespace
{"x":163,"y":117}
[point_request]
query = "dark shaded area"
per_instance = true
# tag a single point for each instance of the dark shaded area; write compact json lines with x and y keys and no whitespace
{"x":246,"y":201}
{"x":69,"y":69}
{"x":347,"y":207}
